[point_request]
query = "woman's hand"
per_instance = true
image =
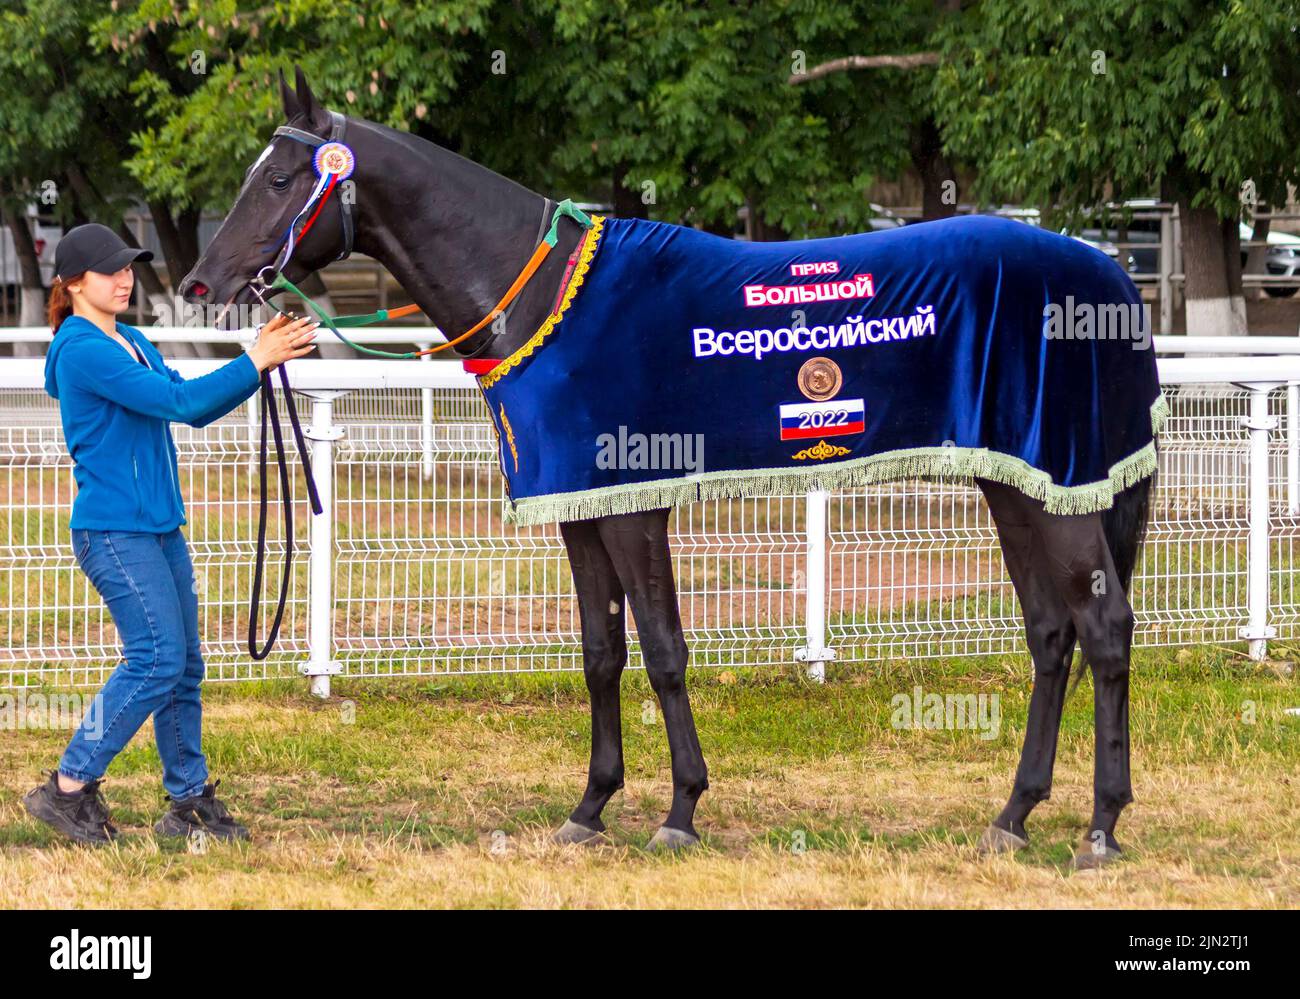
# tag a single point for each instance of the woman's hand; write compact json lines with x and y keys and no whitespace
{"x":283,"y":339}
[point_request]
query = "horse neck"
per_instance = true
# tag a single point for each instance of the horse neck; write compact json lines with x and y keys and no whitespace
{"x":455,"y":235}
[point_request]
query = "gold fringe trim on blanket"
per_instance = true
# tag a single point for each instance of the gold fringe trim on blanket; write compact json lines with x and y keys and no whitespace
{"x":945,"y":463}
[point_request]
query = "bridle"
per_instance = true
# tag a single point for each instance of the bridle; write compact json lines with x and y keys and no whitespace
{"x":335,"y":162}
{"x":303,"y":221}
{"x":325,"y":185}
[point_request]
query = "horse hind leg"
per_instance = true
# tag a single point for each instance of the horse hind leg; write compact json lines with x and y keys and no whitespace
{"x":638,"y":546}
{"x":604,"y":654}
{"x":1050,"y":636}
{"x":1079,"y":557}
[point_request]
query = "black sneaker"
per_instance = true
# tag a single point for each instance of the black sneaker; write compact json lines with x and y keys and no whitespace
{"x":202,"y":813}
{"x":81,"y":814}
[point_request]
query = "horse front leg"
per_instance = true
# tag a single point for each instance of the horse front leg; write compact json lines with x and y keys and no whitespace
{"x":604,"y":654}
{"x":637,"y":544}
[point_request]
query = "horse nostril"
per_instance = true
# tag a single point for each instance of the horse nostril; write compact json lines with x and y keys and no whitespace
{"x":194,"y":290}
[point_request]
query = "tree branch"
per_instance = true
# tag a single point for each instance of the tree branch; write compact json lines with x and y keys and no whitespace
{"x":909,"y":61}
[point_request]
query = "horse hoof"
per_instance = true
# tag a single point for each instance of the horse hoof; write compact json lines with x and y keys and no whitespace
{"x":572,"y":834}
{"x":1091,"y":857}
{"x":671,"y":839}
{"x":998,"y":840}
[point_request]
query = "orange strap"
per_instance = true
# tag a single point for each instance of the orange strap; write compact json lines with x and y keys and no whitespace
{"x":530,"y":268}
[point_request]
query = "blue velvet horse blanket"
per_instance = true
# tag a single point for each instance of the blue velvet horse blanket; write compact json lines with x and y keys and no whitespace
{"x":681,"y":366}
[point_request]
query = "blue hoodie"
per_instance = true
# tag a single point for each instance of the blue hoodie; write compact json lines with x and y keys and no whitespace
{"x":117,"y":415}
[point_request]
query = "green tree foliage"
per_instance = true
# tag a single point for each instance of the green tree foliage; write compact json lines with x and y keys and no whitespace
{"x":1068,"y":103}
{"x":60,"y":102}
{"x":685,"y":104}
{"x":673,"y":109}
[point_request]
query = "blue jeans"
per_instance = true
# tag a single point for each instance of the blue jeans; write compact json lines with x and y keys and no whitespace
{"x":147,"y":581}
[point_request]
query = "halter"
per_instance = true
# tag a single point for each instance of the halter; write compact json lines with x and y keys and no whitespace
{"x":328,"y":180}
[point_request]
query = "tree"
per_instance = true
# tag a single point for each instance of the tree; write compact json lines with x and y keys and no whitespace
{"x":50,"y":93}
{"x":1072,"y":103}
{"x":384,"y":59}
{"x":670,"y":109}
{"x":681,"y":112}
{"x":915,"y":28}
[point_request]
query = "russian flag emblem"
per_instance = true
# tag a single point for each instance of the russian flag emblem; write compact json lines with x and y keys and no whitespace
{"x":833,"y":418}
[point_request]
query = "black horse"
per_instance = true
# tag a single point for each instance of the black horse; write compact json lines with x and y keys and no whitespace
{"x":455,"y":235}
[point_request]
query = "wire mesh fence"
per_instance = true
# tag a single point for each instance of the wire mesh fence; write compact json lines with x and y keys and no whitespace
{"x":428,"y":579}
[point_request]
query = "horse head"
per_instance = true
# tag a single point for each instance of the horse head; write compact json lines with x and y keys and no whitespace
{"x":271,"y":200}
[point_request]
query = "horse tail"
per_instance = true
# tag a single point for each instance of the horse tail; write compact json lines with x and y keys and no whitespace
{"x":1125,"y":528}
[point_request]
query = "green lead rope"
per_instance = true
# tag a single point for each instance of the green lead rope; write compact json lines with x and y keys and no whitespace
{"x":334,"y":322}
{"x":282,"y":283}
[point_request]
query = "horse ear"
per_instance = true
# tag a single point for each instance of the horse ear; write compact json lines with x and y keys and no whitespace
{"x":289,"y":99}
{"x":307,"y":102}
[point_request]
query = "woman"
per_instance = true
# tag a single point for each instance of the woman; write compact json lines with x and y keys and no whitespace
{"x":117,"y":400}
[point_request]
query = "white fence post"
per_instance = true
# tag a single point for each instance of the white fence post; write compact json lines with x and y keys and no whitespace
{"x":320,"y":663}
{"x":426,"y":419}
{"x":814,"y":651}
{"x":1258,"y":631}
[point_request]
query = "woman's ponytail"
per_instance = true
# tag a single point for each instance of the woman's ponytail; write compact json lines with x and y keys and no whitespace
{"x":60,"y":306}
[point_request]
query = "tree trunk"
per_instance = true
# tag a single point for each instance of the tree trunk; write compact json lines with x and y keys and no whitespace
{"x":187,"y":230}
{"x":31,"y":310}
{"x":767,"y":232}
{"x":938,"y":182}
{"x":179,"y":239}
{"x":1208,"y":288}
{"x":170,"y":238}
{"x":1232,"y":267}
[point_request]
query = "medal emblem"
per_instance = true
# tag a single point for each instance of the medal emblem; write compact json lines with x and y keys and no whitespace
{"x":335,"y":158}
{"x":820,"y":378}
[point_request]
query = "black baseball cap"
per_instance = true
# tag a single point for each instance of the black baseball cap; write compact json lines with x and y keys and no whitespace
{"x":94,"y":247}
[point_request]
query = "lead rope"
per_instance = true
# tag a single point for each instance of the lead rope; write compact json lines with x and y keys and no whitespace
{"x":286,"y":498}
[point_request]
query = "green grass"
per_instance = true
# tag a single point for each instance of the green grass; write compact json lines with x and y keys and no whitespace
{"x":451,"y":784}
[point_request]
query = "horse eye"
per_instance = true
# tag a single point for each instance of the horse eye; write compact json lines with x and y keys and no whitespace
{"x":280,"y":181}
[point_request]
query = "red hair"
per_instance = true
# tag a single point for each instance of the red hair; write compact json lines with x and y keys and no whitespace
{"x":60,"y":306}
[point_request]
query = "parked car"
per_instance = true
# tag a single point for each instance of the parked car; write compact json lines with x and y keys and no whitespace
{"x":1144,"y":258}
{"x":1282,"y":257}
{"x":882,"y":218}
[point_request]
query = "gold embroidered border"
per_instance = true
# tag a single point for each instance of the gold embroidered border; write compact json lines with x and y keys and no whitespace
{"x":579,"y":273}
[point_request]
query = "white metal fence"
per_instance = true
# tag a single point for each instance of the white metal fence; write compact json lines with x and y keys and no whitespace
{"x":411,"y":571}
